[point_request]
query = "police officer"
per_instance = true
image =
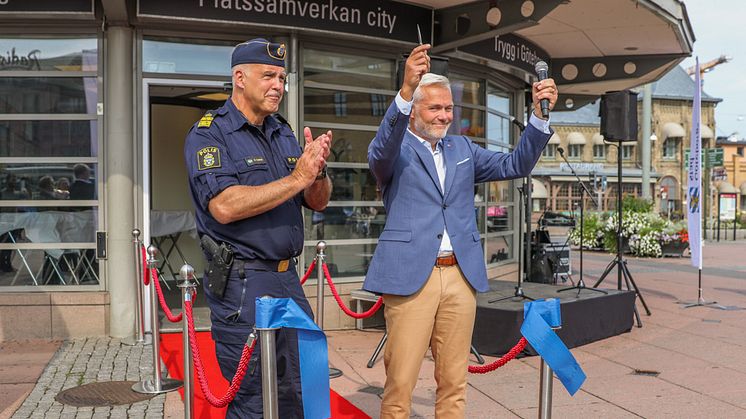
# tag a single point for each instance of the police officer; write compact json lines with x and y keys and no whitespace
{"x":248,"y":179}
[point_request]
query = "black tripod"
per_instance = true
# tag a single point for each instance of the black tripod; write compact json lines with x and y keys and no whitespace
{"x":521,"y":253}
{"x":580,"y":285}
{"x":619,"y":261}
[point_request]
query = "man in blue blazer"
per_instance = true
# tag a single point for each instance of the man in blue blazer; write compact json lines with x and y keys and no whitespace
{"x":429,"y":262}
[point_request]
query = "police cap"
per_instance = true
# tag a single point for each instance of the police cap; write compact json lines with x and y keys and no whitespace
{"x":259,"y":51}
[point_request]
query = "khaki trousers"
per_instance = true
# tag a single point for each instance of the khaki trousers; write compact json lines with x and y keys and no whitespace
{"x":441,"y":316}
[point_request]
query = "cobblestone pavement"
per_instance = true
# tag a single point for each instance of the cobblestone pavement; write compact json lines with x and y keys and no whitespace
{"x":83,"y":361}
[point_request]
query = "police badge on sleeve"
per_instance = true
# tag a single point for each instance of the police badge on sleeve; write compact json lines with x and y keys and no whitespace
{"x":208,"y":158}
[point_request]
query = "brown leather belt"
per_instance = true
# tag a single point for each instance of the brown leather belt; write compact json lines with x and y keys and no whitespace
{"x":446,"y":261}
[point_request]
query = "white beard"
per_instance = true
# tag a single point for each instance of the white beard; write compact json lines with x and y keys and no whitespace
{"x":430,"y":132}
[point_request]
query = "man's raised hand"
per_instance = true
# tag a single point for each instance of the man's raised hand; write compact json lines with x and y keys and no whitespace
{"x":418,"y":63}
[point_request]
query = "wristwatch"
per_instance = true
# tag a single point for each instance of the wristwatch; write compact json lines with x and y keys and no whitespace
{"x":322,"y":174}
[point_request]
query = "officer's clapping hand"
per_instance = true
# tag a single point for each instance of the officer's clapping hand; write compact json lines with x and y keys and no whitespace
{"x":314,"y":156}
{"x":418,"y":63}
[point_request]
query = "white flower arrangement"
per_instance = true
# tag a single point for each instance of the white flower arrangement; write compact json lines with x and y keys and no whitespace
{"x":646,"y":245}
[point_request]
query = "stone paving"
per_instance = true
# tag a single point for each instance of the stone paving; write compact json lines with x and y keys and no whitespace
{"x":83,"y":361}
{"x":698,"y":355}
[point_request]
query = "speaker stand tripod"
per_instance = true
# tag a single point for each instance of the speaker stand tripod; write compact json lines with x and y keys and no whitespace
{"x":385,"y":337}
{"x":619,"y":261}
{"x":580,"y":285}
{"x":519,"y":293}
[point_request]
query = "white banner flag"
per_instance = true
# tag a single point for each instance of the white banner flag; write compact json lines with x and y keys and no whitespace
{"x":694,"y":184}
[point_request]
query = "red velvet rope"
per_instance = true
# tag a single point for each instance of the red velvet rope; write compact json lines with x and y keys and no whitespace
{"x":308,"y":272}
{"x":145,"y":270}
{"x":344,"y":308}
{"x":169,"y":315}
{"x":483,"y":369}
{"x":243,"y":363}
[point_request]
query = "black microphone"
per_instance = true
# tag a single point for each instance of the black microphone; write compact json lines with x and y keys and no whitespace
{"x":561,"y":151}
{"x":542,"y":71}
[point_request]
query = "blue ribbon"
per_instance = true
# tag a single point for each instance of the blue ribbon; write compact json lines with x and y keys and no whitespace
{"x":314,"y":364}
{"x":538,"y":319}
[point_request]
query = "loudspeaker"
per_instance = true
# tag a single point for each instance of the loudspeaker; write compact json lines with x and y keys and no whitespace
{"x":618,"y":112}
{"x":541,"y":267}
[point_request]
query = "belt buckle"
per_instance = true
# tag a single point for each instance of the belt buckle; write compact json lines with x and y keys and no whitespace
{"x":283,"y":265}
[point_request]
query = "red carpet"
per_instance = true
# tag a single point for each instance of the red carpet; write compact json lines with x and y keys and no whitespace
{"x":171,"y":353}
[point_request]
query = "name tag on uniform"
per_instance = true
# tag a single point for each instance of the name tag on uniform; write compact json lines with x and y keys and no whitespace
{"x":208,"y":158}
{"x":251,"y":161}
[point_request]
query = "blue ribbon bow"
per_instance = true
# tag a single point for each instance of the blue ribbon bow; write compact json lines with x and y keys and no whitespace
{"x":314,"y":364}
{"x":538,"y":319}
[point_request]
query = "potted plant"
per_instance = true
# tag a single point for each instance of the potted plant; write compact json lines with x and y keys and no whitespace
{"x":674,"y":241}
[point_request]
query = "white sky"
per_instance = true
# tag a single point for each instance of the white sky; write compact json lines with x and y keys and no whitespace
{"x":719,"y":28}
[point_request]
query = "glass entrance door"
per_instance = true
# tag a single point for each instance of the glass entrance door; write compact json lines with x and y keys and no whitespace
{"x":171,"y":107}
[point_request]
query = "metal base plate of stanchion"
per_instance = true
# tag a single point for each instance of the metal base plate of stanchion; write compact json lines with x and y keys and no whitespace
{"x":148,"y":387}
{"x":335,"y":373}
{"x":132,"y":341}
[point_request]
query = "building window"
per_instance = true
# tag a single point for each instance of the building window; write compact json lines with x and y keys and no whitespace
{"x":550,"y":151}
{"x":499,"y":207}
{"x":379,"y":104}
{"x":340,"y":104}
{"x":599,"y":151}
{"x":671,"y":148}
{"x":348,"y":94}
{"x":575,"y":151}
{"x":627,"y":152}
{"x":49,"y":141}
{"x":739,"y":151}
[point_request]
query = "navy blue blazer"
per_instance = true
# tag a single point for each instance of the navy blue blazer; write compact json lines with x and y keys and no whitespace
{"x":418,"y":210}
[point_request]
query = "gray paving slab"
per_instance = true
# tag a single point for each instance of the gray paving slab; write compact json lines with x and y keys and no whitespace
{"x":697,"y":352}
{"x":83,"y":361}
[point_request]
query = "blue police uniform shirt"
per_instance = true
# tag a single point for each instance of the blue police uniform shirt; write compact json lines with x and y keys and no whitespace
{"x":223,"y":149}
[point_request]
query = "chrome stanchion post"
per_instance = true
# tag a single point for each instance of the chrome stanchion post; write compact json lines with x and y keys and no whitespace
{"x":320,"y":256}
{"x":545,"y":396}
{"x":546,"y":379}
{"x":188,"y":288}
{"x":269,"y":372}
{"x":157,"y":384}
{"x":139,"y":336}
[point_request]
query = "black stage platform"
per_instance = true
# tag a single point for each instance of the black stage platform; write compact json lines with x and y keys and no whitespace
{"x":592,"y":316}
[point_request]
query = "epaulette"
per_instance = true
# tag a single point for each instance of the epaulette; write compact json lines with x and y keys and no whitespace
{"x":283,"y":121}
{"x":206,"y":120}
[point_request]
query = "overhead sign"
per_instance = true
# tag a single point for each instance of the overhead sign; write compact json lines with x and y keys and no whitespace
{"x":713,"y":157}
{"x":508,"y":49}
{"x":377,"y":18}
{"x":46,"y":6}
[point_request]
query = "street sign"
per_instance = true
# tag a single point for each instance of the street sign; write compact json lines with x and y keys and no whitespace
{"x":727,"y":206}
{"x":718,"y":173}
{"x":711,"y":157}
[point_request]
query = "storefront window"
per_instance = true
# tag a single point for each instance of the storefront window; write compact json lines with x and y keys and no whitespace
{"x":160,"y":56}
{"x":49,"y":139}
{"x":344,"y":107}
{"x":348,"y":94}
{"x":38,"y":54}
{"x":348,"y":70}
{"x":467,"y":121}
{"x":500,"y":209}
